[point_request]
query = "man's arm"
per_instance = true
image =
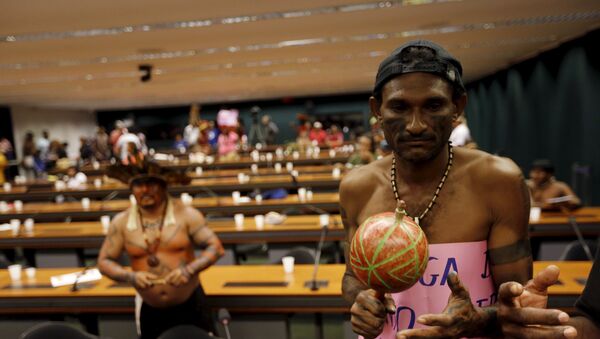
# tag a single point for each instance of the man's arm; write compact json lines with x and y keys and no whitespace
{"x":204,"y":238}
{"x":111,"y":251}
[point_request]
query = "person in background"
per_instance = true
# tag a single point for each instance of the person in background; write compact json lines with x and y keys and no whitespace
{"x":43,"y":145}
{"x":213,"y":135}
{"x":461,"y":135}
{"x":29,"y":151}
{"x":547,"y":192}
{"x":3,"y":165}
{"x":317,"y":134}
{"x":115,"y":134}
{"x":335,"y":137}
{"x":86,"y":151}
{"x":364,"y":152}
{"x":100,"y":145}
{"x":180,"y":142}
{"x":269,"y":130}
{"x":124,"y":150}
{"x":160,"y":234}
{"x":228,"y":143}
{"x":383,"y":149}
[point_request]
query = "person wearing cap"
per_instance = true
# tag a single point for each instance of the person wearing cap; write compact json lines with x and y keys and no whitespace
{"x":472,"y":206}
{"x":547,"y":192}
{"x":159,"y":235}
{"x":317,"y":133}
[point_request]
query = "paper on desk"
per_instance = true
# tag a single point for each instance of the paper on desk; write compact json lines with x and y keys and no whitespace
{"x":68,"y":279}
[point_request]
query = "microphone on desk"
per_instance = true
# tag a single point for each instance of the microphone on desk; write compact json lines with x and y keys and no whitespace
{"x":315,"y":284}
{"x":224,"y":319}
{"x":75,"y":286}
{"x":210,"y":193}
{"x":108,"y":197}
{"x":577,"y":230}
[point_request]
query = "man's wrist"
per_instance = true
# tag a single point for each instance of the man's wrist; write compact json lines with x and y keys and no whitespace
{"x":489,"y":322}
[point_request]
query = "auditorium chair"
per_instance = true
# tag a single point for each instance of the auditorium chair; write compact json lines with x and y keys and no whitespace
{"x":51,"y":329}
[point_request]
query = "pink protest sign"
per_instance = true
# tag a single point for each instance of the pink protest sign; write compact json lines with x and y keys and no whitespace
{"x":430,"y":294}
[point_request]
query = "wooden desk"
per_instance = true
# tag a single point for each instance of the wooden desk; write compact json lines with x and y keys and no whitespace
{"x":244,"y":161}
{"x":556,"y":224}
{"x":200,"y":185}
{"x":106,"y":296}
{"x":212,"y":205}
{"x":88,"y":234}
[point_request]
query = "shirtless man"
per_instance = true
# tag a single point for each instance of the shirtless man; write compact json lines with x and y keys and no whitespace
{"x":477,"y":223}
{"x":159,"y":234}
{"x":544,"y":187}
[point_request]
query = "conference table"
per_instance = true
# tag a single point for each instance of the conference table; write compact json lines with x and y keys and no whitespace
{"x":199,"y":185}
{"x":241,"y":289}
{"x":558,"y":224}
{"x":324,"y":157}
{"x":89,"y":234}
{"x":214,"y":205}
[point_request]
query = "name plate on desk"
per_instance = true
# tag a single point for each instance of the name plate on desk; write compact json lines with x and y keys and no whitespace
{"x":255,"y":284}
{"x":79,"y":277}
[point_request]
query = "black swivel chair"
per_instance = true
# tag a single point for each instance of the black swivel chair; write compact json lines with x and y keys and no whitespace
{"x":302,"y":256}
{"x":51,"y":329}
{"x":575,"y":252}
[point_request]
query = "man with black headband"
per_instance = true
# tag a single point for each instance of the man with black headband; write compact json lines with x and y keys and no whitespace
{"x":159,"y":235}
{"x":473,"y":206}
{"x":547,"y":192}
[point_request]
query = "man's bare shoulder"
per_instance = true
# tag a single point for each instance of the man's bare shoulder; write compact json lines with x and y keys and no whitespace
{"x":120,"y":220}
{"x":363,"y":178}
{"x":486,"y":168}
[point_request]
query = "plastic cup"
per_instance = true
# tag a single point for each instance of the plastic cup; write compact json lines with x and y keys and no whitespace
{"x":3,"y":206}
{"x":332,"y":153}
{"x":324,"y":220}
{"x":18,"y":205}
{"x":239,"y":220}
{"x":258,"y":198}
{"x":96,"y":165}
{"x":289,"y":166}
{"x":235,"y":195}
{"x":294,"y":173}
{"x":7,"y":187}
{"x":198,"y":171}
{"x":105,"y":221}
{"x":29,"y":223}
{"x":15,"y":272}
{"x":288,"y":264}
{"x":254,"y":168}
{"x":277,"y":167}
{"x":85,"y":203}
{"x":241,"y":178}
{"x":309,"y":195}
{"x":259,"y":220}
{"x":269,"y":156}
{"x":97,"y":183}
{"x":60,"y":185}
{"x":335,"y":173}
{"x":30,"y":272}
{"x":302,"y":194}
{"x":296,"y":155}
{"x":535,"y":213}
{"x":15,"y":226}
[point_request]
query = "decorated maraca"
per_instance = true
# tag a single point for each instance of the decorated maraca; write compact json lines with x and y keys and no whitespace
{"x":389,"y":251}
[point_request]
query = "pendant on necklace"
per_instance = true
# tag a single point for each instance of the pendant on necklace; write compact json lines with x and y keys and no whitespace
{"x":153,"y":260}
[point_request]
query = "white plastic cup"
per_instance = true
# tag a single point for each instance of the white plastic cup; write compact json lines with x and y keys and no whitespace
{"x":324,"y":220}
{"x":255,"y":156}
{"x":269,"y":156}
{"x":105,"y":221}
{"x":254,"y":168}
{"x":30,"y":273}
{"x":294,"y":173}
{"x":85,"y":203}
{"x":288,"y":264}
{"x":15,"y":272}
{"x":277,"y":167}
{"x":332,"y":153}
{"x":296,"y":155}
{"x":29,"y":223}
{"x":210,"y":159}
{"x":3,"y":206}
{"x":259,"y":220}
{"x":198,"y":171}
{"x":258,"y":198}
{"x":289,"y":166}
{"x":316,"y":152}
{"x":60,"y":185}
{"x":96,"y":165}
{"x":279,"y":153}
{"x":335,"y":173}
{"x":535,"y":213}
{"x":235,"y":195}
{"x":239,"y":220}
{"x":15,"y":226}
{"x":7,"y":187}
{"x":97,"y":182}
{"x":309,"y":195}
{"x":18,"y":205}
{"x":241,"y":177}
{"x":302,"y":194}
